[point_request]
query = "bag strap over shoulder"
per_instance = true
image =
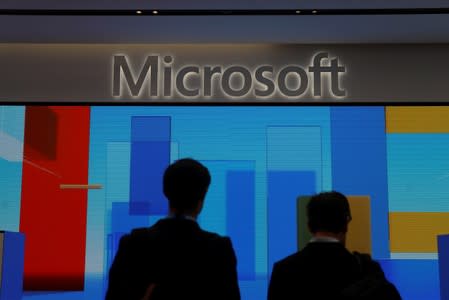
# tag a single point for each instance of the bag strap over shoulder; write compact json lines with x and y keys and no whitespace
{"x":372,"y":284}
{"x":367,"y":265}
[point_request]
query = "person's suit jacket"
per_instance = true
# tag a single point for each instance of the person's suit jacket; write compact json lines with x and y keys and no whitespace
{"x":180,"y":259}
{"x":319,"y":271}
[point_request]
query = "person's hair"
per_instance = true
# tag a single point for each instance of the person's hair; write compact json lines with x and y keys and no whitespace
{"x":328,"y":211}
{"x":185,"y":184}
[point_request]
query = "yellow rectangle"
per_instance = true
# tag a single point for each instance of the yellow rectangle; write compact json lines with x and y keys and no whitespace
{"x":359,"y":229}
{"x":417,"y":231}
{"x":417,"y":119}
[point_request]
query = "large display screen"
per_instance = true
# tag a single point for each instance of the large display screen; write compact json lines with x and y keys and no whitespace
{"x":74,"y":179}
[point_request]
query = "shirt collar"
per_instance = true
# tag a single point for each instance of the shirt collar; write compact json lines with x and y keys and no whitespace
{"x":324,"y":239}
{"x":180,"y":216}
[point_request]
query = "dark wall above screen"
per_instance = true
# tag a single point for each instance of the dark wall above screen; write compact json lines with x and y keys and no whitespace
{"x":154,"y":28}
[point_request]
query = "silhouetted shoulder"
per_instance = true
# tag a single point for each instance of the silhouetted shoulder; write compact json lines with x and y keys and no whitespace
{"x":213,"y":236}
{"x":136,"y":232}
{"x":221,"y":245}
{"x":289,"y":262}
{"x":177,"y":230}
{"x":291,"y":258}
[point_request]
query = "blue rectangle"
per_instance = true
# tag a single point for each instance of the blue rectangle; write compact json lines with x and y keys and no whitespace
{"x":148,"y":163}
{"x":359,"y":164}
{"x":150,"y":129}
{"x":123,"y":221}
{"x":12,"y":266}
{"x":240,"y":223}
{"x":443,"y":265}
{"x":415,"y":279}
{"x":284,"y":187}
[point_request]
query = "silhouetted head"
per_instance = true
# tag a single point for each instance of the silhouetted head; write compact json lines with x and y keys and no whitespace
{"x":186,"y":182}
{"x":328,"y":212}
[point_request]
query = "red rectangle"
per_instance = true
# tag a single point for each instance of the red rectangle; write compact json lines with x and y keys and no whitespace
{"x":56,"y":151}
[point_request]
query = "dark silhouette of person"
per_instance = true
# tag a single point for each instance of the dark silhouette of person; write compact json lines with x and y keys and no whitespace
{"x":324,"y":268}
{"x":175,"y":258}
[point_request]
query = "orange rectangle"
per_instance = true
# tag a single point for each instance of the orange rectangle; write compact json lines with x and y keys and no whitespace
{"x":359,"y":229}
{"x":417,"y":119}
{"x":417,"y":231}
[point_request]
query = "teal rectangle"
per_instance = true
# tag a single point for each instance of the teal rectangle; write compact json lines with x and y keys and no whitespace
{"x":418,"y":172}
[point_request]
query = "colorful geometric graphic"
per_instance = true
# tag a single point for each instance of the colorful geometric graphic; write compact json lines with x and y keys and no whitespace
{"x":263,"y":160}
